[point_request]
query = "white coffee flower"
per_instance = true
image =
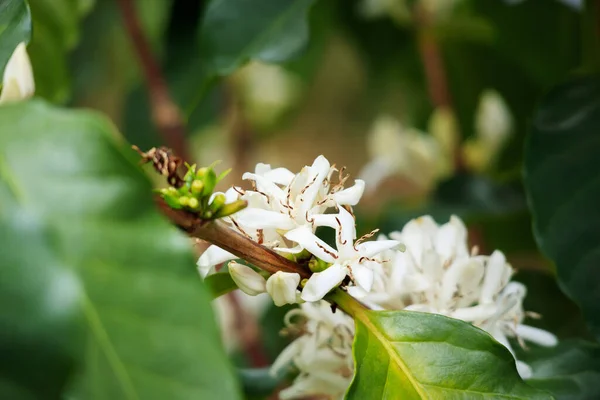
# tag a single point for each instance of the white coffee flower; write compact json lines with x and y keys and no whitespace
{"x":283,"y":287}
{"x":283,"y":201}
{"x":322,"y":354}
{"x":395,"y":149}
{"x":353,"y":259}
{"x":247,"y":280}
{"x":17,"y":82}
{"x":493,"y":128}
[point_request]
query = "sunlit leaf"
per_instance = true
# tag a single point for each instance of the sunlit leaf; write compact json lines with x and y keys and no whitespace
{"x":152,"y":333}
{"x":410,"y":355}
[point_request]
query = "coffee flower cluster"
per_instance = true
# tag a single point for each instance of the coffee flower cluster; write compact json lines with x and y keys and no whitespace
{"x":425,"y":267}
{"x":284,"y":210}
{"x":437,"y":273}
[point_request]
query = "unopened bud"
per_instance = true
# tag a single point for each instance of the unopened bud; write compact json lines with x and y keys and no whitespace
{"x":231,"y":208}
{"x":317,"y":265}
{"x":282,"y":286}
{"x":193,"y":203}
{"x":248,"y":280}
{"x":209,"y":178}
{"x":197,"y":186}
{"x":184,"y":201}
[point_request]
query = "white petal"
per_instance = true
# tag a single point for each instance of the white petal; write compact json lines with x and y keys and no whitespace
{"x":451,"y":239}
{"x":476,"y":313}
{"x":418,"y":235}
{"x":375,"y":171}
{"x":291,"y":250}
{"x":248,"y":280}
{"x":256,"y":218}
{"x":351,"y":195}
{"x":324,"y":220}
{"x":281,"y":176}
{"x":524,"y":370}
{"x":492,"y":282}
{"x":282,"y":287}
{"x":345,"y":234}
{"x":212,"y":256}
{"x":17,"y":82}
{"x":363,"y":276}
{"x":319,"y":171}
{"x":536,"y":335}
{"x":305,"y":238}
{"x":320,"y":283}
{"x":370,"y":249}
{"x":265,"y":185}
{"x":286,"y":357}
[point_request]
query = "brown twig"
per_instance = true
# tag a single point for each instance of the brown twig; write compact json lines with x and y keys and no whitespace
{"x":165,"y":112}
{"x":433,"y":64}
{"x":226,"y":238}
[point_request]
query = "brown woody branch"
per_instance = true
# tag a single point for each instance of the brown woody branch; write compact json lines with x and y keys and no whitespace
{"x":165,"y":113}
{"x":216,"y":232}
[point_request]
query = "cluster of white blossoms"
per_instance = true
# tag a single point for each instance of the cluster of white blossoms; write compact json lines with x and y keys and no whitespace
{"x":425,"y":267}
{"x":437,"y":273}
{"x":284,"y":210}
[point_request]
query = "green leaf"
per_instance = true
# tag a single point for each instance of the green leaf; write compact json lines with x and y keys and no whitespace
{"x":40,"y":319}
{"x":570,"y":371}
{"x":152,"y":333}
{"x":220,"y":284}
{"x":562,"y":178}
{"x":235,"y":31}
{"x":412,"y":355}
{"x":15,"y":27}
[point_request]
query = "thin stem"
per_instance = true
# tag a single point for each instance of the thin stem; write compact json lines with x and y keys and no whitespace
{"x":435,"y":72}
{"x":347,"y":303}
{"x":216,"y":232}
{"x":165,"y":112}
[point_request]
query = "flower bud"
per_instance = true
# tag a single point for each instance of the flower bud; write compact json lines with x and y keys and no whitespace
{"x":317,"y":265}
{"x":17,"y":82}
{"x":248,"y":280}
{"x":282,"y":286}
{"x":231,"y":208}
{"x":209,"y":178}
{"x":193,"y":203}
{"x":197,"y":186}
{"x":184,"y":201}
{"x":217,"y":202}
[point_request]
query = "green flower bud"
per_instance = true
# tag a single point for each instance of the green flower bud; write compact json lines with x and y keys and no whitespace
{"x":317,"y":265}
{"x":209,"y":178}
{"x":231,"y":208}
{"x":303,"y":282}
{"x":184,"y":201}
{"x":193,"y":203}
{"x":218,"y":202}
{"x":197,"y":186}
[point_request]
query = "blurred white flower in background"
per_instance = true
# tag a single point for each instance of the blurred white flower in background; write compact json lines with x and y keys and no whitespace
{"x":395,"y":149}
{"x":576,"y":5}
{"x":426,"y":158}
{"x":493,"y":128}
{"x":438,"y":274}
{"x":266,"y":91}
{"x":17,"y":81}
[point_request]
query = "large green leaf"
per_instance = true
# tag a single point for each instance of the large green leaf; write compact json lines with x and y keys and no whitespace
{"x":15,"y":27}
{"x":40,"y":332}
{"x":151,"y":330}
{"x":235,"y":31}
{"x":570,"y":371}
{"x":562,"y":178}
{"x":411,"y":355}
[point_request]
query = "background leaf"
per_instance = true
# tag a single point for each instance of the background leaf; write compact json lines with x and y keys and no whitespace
{"x":561,"y":176}
{"x":411,"y":355}
{"x":152,"y":332}
{"x":570,"y":371}
{"x":15,"y":27}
